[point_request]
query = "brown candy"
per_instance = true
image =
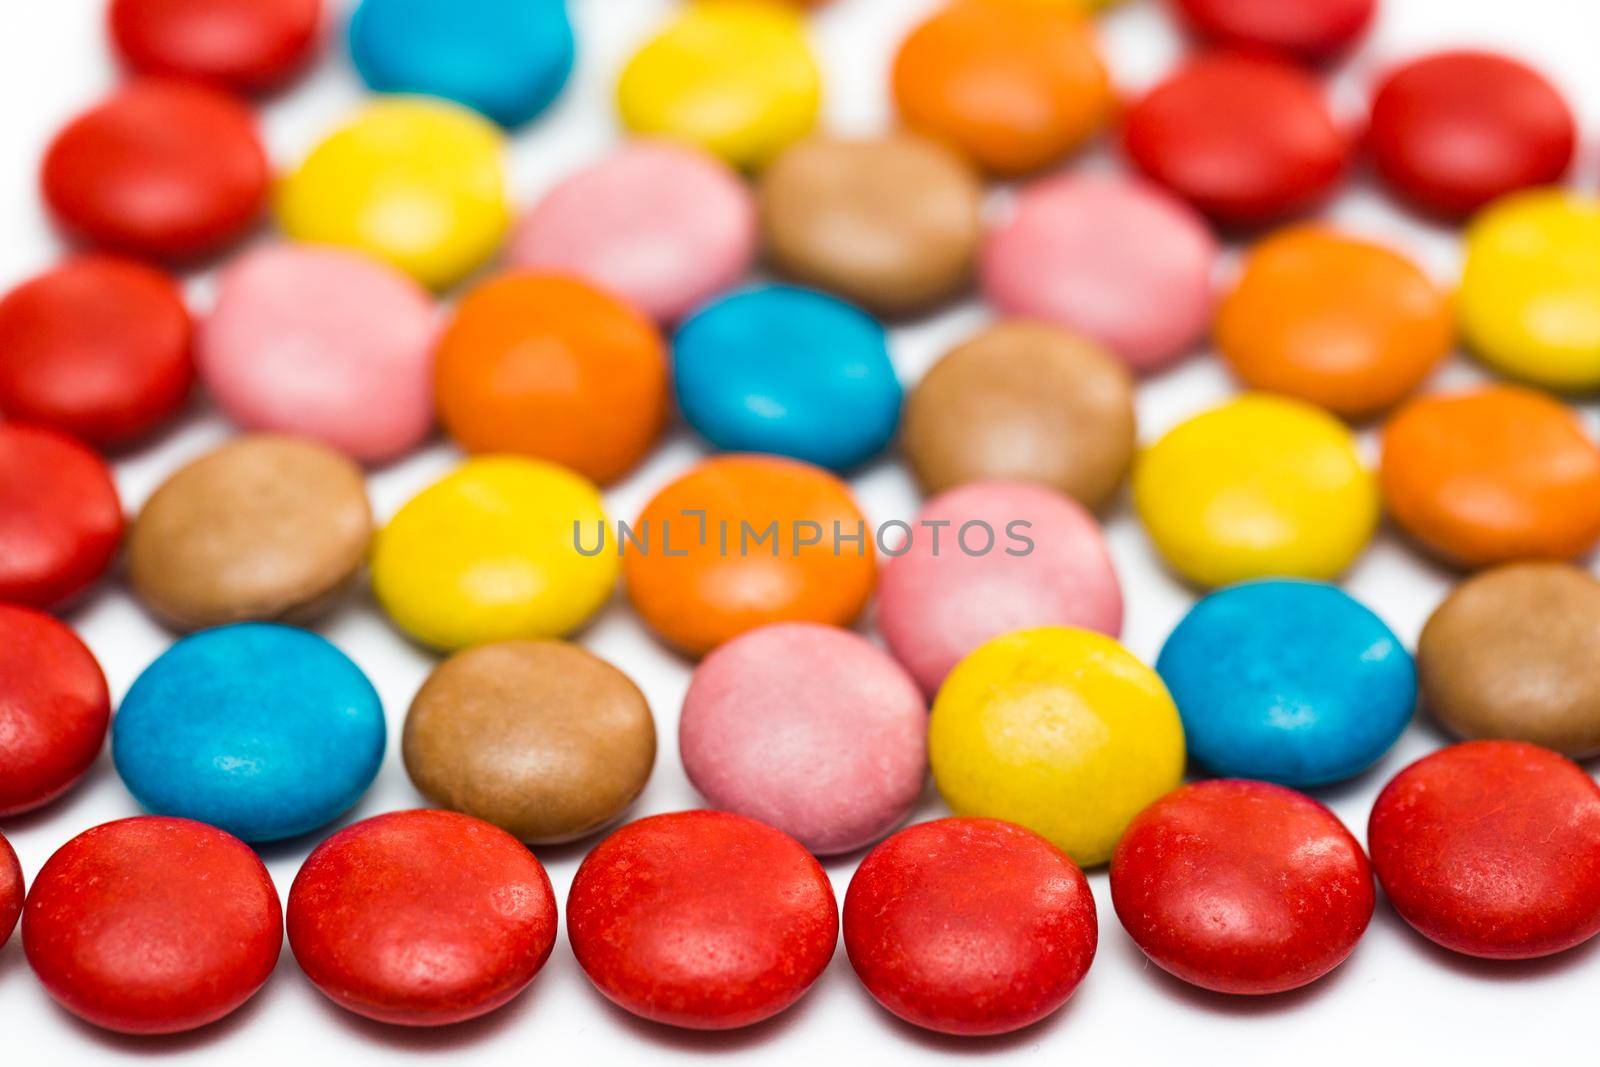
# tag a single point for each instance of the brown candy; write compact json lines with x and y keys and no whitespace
{"x":540,"y":738}
{"x":892,"y":223}
{"x":1514,"y":654}
{"x":1024,"y":401}
{"x":265,"y":527}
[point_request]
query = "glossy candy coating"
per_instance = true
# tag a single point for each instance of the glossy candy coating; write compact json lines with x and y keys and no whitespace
{"x":421,"y":918}
{"x":160,"y":169}
{"x":248,"y":45}
{"x":152,"y":925}
{"x":969,"y":926}
{"x":487,"y":553}
{"x":1261,"y":486}
{"x":1311,"y":31}
{"x":60,"y":517}
{"x":702,"y":919}
{"x":265,"y":731}
{"x":1242,"y":887}
{"x":1492,"y":849}
{"x":1492,"y":474}
{"x":779,"y":562}
{"x":54,"y":708}
{"x":550,"y":367}
{"x":11,"y":890}
{"x":1059,"y":730}
{"x":807,"y":728}
{"x":97,"y":348}
{"x":787,"y":371}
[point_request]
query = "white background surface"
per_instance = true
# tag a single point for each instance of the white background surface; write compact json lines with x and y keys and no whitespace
{"x":1397,"y":995}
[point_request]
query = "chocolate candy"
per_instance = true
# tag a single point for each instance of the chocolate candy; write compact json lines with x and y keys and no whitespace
{"x":152,"y":925}
{"x":265,"y":527}
{"x":249,"y":45}
{"x":539,"y":738}
{"x":1307,"y":30}
{"x":54,"y":708}
{"x":421,"y":918}
{"x":1511,"y":653}
{"x":60,"y":517}
{"x":1023,"y":402}
{"x":11,"y":894}
{"x":891,"y":223}
{"x":969,"y":926}
{"x":1492,"y":849}
{"x":1242,"y":887}
{"x":702,"y":919}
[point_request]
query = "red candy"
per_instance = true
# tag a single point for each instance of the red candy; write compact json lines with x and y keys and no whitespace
{"x":1311,"y":31}
{"x":969,"y":926}
{"x":1492,"y":849}
{"x":1452,"y":131}
{"x":1242,"y":887}
{"x":1248,"y":141}
{"x":159,"y":169}
{"x":152,"y":925}
{"x":97,"y":348}
{"x":421,"y":918}
{"x":702,"y":919}
{"x":54,"y":709}
{"x":60,"y":518}
{"x":233,"y":44}
{"x":10,"y":890}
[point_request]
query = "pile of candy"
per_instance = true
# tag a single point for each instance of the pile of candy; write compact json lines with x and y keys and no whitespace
{"x":999,"y":604}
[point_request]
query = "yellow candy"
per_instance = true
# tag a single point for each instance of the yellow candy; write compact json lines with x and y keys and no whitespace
{"x":1261,"y":486}
{"x":1057,"y":729}
{"x":1530,"y":296}
{"x":735,"y":77}
{"x":418,"y":182}
{"x":488,"y":553}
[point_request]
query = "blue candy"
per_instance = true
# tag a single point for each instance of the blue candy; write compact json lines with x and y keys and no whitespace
{"x":506,"y":58}
{"x":1288,"y":681}
{"x":265,"y":731}
{"x":790,"y":372}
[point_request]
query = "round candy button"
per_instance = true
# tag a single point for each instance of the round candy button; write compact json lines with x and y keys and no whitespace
{"x":97,"y":348}
{"x":986,"y":559}
{"x":1242,"y":887}
{"x":1287,"y":681}
{"x":969,"y":926}
{"x":419,"y":183}
{"x":735,"y":77}
{"x":168,"y":170}
{"x":550,"y":367}
{"x":1260,"y":487}
{"x":54,"y":708}
{"x":663,"y":226}
{"x":265,"y":731}
{"x":807,"y":728}
{"x":500,"y":548}
{"x":1494,"y":474}
{"x":1059,"y":730}
{"x":1510,"y":654}
{"x":702,"y":919}
{"x":264,"y":527}
{"x":787,"y":371}
{"x":235,"y":44}
{"x":421,"y":918}
{"x":1492,"y":849}
{"x":152,"y":925}
{"x":60,"y":517}
{"x":1530,"y":289}
{"x":11,"y":890}
{"x":1115,"y":259}
{"x":1344,"y":323}
{"x":1247,"y":140}
{"x":1311,"y":31}
{"x":539,"y":738}
{"x":1014,"y":87}
{"x":742,"y":541}
{"x":1454,"y":130}
{"x":324,"y":343}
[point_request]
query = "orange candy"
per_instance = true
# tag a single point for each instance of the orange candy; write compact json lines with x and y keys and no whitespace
{"x":741,"y":541}
{"x":1014,"y":86}
{"x":1334,"y":320}
{"x":549,"y":367}
{"x":1491,"y":475}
